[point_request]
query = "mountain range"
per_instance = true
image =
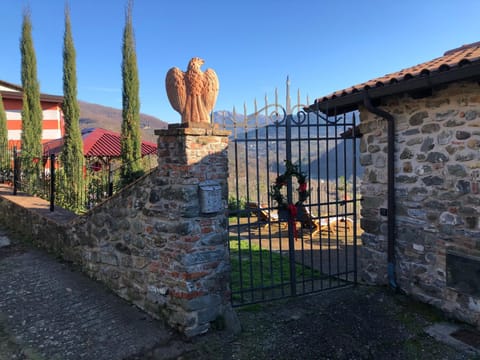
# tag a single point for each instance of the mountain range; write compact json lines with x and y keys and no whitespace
{"x":316,"y":141}
{"x":99,"y":116}
{"x":248,"y":129}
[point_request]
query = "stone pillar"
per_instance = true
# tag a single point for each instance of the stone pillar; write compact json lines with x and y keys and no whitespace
{"x":192,"y":287}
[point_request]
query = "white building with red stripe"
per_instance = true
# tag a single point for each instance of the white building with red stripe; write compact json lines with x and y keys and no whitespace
{"x":53,"y":124}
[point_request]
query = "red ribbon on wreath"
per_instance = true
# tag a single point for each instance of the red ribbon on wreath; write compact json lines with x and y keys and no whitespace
{"x":293,"y":214}
{"x":291,"y":170}
{"x":302,"y":188}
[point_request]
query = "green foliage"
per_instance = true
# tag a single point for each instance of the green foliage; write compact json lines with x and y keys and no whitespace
{"x":341,"y":183}
{"x":64,"y":196}
{"x":72,"y":157}
{"x":235,"y":204}
{"x":97,"y":187}
{"x":31,"y":109}
{"x":291,"y":170}
{"x":131,"y":140}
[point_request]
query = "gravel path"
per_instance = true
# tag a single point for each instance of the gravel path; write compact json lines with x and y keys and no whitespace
{"x":351,"y":323}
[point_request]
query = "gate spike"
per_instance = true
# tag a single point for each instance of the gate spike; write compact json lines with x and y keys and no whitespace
{"x":245,"y":117}
{"x":266,"y":106}
{"x":289,"y":107}
{"x":256,"y":112}
{"x":298,"y":99}
{"x":224,"y":119}
{"x":234,"y":121}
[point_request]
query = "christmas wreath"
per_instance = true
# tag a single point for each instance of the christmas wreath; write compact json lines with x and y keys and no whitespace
{"x":291,"y":170}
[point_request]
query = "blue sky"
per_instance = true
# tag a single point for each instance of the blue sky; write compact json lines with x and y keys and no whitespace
{"x":322,"y":45}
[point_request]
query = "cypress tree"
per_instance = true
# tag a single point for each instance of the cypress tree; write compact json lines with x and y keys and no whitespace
{"x":130,"y":140}
{"x":4,"y":156}
{"x":32,"y":115}
{"x":72,"y":158}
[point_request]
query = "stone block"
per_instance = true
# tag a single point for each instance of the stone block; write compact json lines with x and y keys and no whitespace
{"x":473,"y":144}
{"x":457,"y":170}
{"x":370,"y":226}
{"x":208,"y":314}
{"x":214,"y":238}
{"x":201,"y":257}
{"x":463,"y":186}
{"x":430,"y":128}
{"x":108,"y":258}
{"x":465,"y":156}
{"x":447,"y":218}
{"x":183,"y":228}
{"x":418,"y":194}
{"x":366,"y":159}
{"x":418,"y":118}
{"x":427,"y":144}
{"x":190,"y":210}
{"x":433,"y":180}
{"x":418,"y":247}
{"x":471,"y":115}
{"x":406,"y":179}
{"x":417,"y":213}
{"x":406,"y":154}
{"x":454,"y":123}
{"x":196,"y":330}
{"x":437,"y":157}
{"x":157,"y":295}
{"x":462,"y":135}
{"x":373,"y":201}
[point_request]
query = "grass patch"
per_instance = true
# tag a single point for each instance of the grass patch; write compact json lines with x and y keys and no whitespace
{"x":427,"y":311}
{"x":417,"y":314}
{"x":252,"y":308}
{"x":260,"y":269}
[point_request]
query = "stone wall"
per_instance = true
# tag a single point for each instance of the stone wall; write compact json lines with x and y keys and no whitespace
{"x":437,"y":175}
{"x":151,"y":243}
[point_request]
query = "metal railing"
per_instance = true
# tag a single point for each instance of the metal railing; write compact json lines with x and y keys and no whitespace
{"x":100,"y":178}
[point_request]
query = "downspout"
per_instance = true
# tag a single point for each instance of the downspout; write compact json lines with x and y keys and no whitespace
{"x":390,"y":186}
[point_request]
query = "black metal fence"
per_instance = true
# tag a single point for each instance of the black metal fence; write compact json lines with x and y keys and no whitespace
{"x":293,"y":201}
{"x":102,"y":177}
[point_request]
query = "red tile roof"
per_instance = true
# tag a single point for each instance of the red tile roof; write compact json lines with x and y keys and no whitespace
{"x":98,"y":142}
{"x":453,"y":61}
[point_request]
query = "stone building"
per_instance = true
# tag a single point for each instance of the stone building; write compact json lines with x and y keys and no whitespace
{"x":420,"y":145}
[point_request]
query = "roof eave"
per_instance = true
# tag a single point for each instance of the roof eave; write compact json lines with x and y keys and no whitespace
{"x":11,"y":85}
{"x":350,"y":102}
{"x":18,"y":95}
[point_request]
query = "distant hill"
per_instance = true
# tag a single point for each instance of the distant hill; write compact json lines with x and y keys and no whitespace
{"x":94,"y":115}
{"x":326,"y":146}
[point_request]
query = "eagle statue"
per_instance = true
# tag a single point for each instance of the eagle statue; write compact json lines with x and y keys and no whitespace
{"x":192,"y":93}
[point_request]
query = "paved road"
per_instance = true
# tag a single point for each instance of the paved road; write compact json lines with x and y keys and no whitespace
{"x":51,"y":311}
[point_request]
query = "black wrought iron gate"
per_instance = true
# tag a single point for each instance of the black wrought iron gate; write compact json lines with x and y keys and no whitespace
{"x":292,"y":202}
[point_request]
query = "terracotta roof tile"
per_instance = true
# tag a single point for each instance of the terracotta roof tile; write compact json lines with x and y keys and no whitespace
{"x":452,"y":59}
